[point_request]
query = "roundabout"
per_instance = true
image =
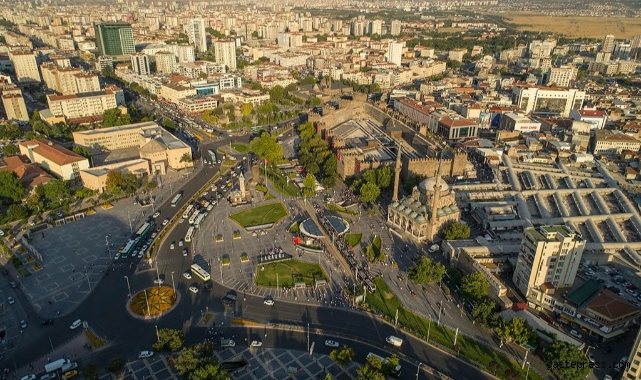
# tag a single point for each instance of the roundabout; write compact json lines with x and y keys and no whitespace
{"x":153,"y":302}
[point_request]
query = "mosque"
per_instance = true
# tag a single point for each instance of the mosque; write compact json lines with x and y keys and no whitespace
{"x":423,"y":214}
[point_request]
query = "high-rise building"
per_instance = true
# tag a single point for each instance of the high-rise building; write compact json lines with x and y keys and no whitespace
{"x":395,"y":52}
{"x":608,"y":43}
{"x":561,"y":76}
{"x":140,"y":64}
{"x":114,"y":38}
{"x":14,"y":106}
{"x":549,"y":258}
{"x":632,"y":372}
{"x":225,"y":52}
{"x":195,"y":29}
{"x":376,"y":27}
{"x":25,"y":66}
{"x":165,"y":62}
{"x":395,"y":28}
{"x":635,"y":47}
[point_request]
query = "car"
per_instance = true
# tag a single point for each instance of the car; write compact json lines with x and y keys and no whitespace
{"x":28,"y":377}
{"x":208,"y":285}
{"x":145,"y":354}
{"x":76,"y":324}
{"x":180,"y":243}
{"x":159,"y":281}
{"x":172,"y":246}
{"x":576,"y":334}
{"x":23,"y":324}
{"x":14,"y":284}
{"x":47,"y":322}
{"x":256,"y":343}
{"x":10,"y":300}
{"x":181,"y":220}
{"x":269,"y":302}
{"x":332,"y":343}
{"x":187,"y":275}
{"x":49,"y":376}
{"x":164,"y":222}
{"x":70,"y":374}
{"x":433,"y":248}
{"x":140,"y":254}
{"x":193,"y":289}
{"x":69,"y":367}
{"x":185,"y":251}
{"x":144,"y":247}
{"x":548,"y":319}
{"x":156,"y":214}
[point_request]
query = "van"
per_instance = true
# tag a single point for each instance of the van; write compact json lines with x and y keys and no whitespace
{"x":395,"y":341}
{"x":227,"y":343}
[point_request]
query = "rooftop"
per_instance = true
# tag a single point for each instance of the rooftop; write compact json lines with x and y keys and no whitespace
{"x":584,"y":292}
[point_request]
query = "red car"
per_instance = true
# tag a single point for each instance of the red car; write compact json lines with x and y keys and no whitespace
{"x":548,"y":319}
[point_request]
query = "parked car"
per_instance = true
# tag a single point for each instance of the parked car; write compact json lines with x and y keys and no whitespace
{"x":187,"y":275}
{"x":23,"y":324}
{"x":269,"y":302}
{"x":49,"y":376}
{"x":576,"y":334}
{"x":145,"y":354}
{"x":14,"y":284}
{"x":256,"y":343}
{"x":193,"y":289}
{"x":10,"y":300}
{"x":332,"y":343}
{"x":156,"y":214}
{"x":185,"y":251}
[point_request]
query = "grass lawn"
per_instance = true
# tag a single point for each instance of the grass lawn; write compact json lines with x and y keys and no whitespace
{"x":373,"y":250}
{"x":385,"y":302}
{"x":337,"y":208}
{"x":353,"y":239}
{"x":265,"y":214}
{"x":289,"y":272}
{"x":240,"y":147}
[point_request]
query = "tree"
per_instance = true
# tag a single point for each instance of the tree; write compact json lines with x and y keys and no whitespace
{"x":475,"y":286}
{"x":426,"y":270}
{"x":560,"y":353}
{"x":16,"y":212}
{"x":10,"y":150}
{"x":10,"y":186}
{"x":343,"y":355}
{"x":169,"y":340}
{"x":91,"y":371}
{"x":168,"y":124}
{"x":114,"y":117}
{"x":211,"y":370}
{"x":246,"y":109}
{"x":520,"y":331}
{"x":371,"y":370}
{"x":81,"y":150}
{"x":115,"y":182}
{"x":309,"y":185}
{"x":452,"y":64}
{"x":369,"y":192}
{"x":186,"y":157}
{"x":9,"y":132}
{"x":493,"y":366}
{"x":314,"y":101}
{"x":485,"y":313}
{"x":186,"y":361}
{"x":308,"y":80}
{"x":57,"y":190}
{"x":116,"y":364}
{"x":266,"y":147}
{"x":384,"y":176}
{"x":328,"y":376}
{"x":455,"y":231}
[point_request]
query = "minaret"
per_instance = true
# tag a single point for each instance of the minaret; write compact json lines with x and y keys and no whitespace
{"x":435,"y":201}
{"x":241,"y":183}
{"x":397,"y":173}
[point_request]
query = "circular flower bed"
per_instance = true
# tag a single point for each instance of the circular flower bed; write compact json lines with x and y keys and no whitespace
{"x":161,"y":299}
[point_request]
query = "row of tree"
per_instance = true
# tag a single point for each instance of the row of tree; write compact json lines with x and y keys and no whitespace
{"x":370,"y":185}
{"x":372,"y":369}
{"x":316,"y":156}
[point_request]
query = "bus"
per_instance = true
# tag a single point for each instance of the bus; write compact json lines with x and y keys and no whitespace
{"x":124,"y":251}
{"x":193,"y":217}
{"x":144,"y":229}
{"x":187,"y":211}
{"x":199,"y":220}
{"x":174,"y":202}
{"x":200,"y":272}
{"x":190,"y":234}
{"x":212,"y":154}
{"x":396,"y":371}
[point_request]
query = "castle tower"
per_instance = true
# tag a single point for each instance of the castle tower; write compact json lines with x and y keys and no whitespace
{"x":397,"y":173}
{"x":241,"y":183}
{"x":435,"y":201}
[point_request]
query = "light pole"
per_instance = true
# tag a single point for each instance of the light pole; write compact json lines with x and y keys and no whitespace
{"x":528,"y":371}
{"x":418,"y":369}
{"x":158,"y":275}
{"x":157,"y":335}
{"x":429,"y":326}
{"x":277,"y":289}
{"x":131,"y":228}
{"x":438,"y":323}
{"x":173,"y":283}
{"x":308,"y":337}
{"x":128,"y":288}
{"x":524,"y":359}
{"x":147,"y":301}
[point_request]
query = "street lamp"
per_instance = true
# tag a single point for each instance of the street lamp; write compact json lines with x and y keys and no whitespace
{"x":173,"y":283}
{"x":528,"y":371}
{"x":157,"y":335}
{"x":418,"y":369}
{"x":440,"y":310}
{"x":128,"y":288}
{"x":158,"y":275}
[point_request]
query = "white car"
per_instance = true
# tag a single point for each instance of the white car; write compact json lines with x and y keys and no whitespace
{"x":576,"y":334}
{"x":159,"y":281}
{"x":433,"y":248}
{"x":23,"y":324}
{"x":269,"y":302}
{"x":332,"y":343}
{"x":156,"y":214}
{"x":76,"y":324}
{"x":145,"y":354}
{"x":10,"y":300}
{"x":117,"y":256}
{"x":140,"y":254}
{"x":172,"y":246}
{"x":187,"y":275}
{"x":164,"y":222}
{"x":256,"y":343}
{"x":181,"y":220}
{"x":193,"y":289}
{"x":28,"y":377}
{"x":180,"y":243}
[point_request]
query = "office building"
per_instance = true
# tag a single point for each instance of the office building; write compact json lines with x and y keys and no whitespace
{"x":114,"y":38}
{"x":15,"y":107}
{"x":560,"y":76}
{"x":608,"y":44}
{"x":635,"y":47}
{"x":165,"y":62}
{"x":547,"y":101}
{"x":57,"y":159}
{"x":633,"y":373}
{"x":395,"y":28}
{"x":612,"y":143}
{"x":225,"y":52}
{"x":549,"y":258}
{"x":395,"y":52}
{"x":195,"y":30}
{"x":25,"y":66}
{"x":140,"y":64}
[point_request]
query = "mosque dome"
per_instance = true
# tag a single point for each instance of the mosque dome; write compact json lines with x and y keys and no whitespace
{"x":429,"y":183}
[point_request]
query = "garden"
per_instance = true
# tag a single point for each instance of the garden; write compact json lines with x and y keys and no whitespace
{"x":260,"y":215}
{"x":289,"y":272}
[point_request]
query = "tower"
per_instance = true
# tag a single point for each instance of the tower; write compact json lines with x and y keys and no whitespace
{"x":435,"y":201}
{"x":241,"y":183}
{"x":397,"y":173}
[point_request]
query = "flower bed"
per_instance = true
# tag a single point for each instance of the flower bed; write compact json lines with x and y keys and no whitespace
{"x":30,"y":259}
{"x":94,"y":340}
{"x":37,"y":267}
{"x":244,"y":257}
{"x":219,"y":238}
{"x":157,"y":301}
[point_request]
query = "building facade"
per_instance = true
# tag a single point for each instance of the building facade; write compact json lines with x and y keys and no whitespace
{"x":140,"y":64}
{"x":90,"y":104}
{"x":225,"y":52}
{"x":15,"y":107}
{"x":195,"y":29}
{"x":25,"y":66}
{"x":114,"y":38}
{"x":547,"y":101}
{"x":165,"y":62}
{"x":54,"y":158}
{"x":612,"y":143}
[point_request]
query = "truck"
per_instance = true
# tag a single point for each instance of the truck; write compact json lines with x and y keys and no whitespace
{"x":56,"y":365}
{"x":394,"y":341}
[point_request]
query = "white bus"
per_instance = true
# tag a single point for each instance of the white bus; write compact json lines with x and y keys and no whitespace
{"x":174,"y":202}
{"x":124,"y":251}
{"x":188,"y":211}
{"x":190,"y":234}
{"x":143,"y":229}
{"x":396,"y":371}
{"x":199,"y":219}
{"x":200,"y":272}
{"x":192,"y":218}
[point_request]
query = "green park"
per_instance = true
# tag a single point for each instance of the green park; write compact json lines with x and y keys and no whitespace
{"x":260,"y":215}
{"x":289,"y":273}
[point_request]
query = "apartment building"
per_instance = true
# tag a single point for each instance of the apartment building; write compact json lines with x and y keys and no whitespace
{"x":114,"y":38}
{"x":633,"y":373}
{"x":613,"y":142}
{"x":172,"y":92}
{"x":165,"y":62}
{"x":68,"y":80}
{"x":184,"y":53}
{"x":15,"y":107}
{"x":140,"y":64}
{"x":456,"y":54}
{"x":547,"y":101}
{"x":25,"y":66}
{"x":225,"y":52}
{"x":198,"y":103}
{"x":395,"y":27}
{"x":54,"y":158}
{"x":597,"y":118}
{"x":395,"y":52}
{"x":560,"y":76}
{"x":87,"y":105}
{"x":549,"y":258}
{"x":195,"y":30}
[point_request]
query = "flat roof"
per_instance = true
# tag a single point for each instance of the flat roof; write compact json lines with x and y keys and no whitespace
{"x":584,"y":292}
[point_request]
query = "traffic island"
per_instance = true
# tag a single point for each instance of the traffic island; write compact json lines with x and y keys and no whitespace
{"x":289,"y":273}
{"x":259,"y":216}
{"x":153,"y":302}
